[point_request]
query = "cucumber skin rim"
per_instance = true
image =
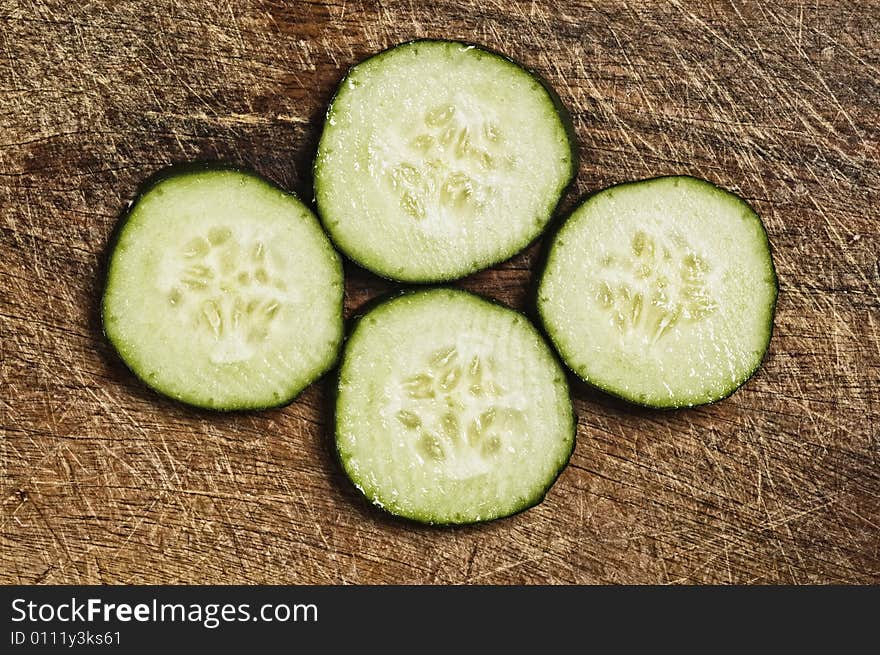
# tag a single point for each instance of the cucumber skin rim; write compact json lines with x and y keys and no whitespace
{"x":558,"y":106}
{"x":355,"y":322}
{"x":149,"y":184}
{"x":547,"y":257}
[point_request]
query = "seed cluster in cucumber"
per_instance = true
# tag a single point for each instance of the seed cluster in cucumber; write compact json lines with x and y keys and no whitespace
{"x":438,"y":159}
{"x":661,"y":292}
{"x":451,"y":409}
{"x":223,"y":292}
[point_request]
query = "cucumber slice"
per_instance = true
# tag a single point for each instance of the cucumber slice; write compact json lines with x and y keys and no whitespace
{"x":439,"y":159}
{"x":451,"y":409}
{"x":223,"y":291}
{"x":661,"y":292}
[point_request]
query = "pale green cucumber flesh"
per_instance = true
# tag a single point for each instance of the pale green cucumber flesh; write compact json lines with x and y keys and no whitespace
{"x":223,"y":292}
{"x":438,"y":159}
{"x":661,"y":292}
{"x":451,"y":409}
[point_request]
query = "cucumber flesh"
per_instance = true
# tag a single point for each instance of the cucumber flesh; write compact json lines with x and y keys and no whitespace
{"x":223,"y":292}
{"x":438,"y":159}
{"x":451,"y":409}
{"x":661,"y":292}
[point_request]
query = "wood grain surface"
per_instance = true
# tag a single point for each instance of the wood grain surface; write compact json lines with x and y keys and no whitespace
{"x":104,"y":481}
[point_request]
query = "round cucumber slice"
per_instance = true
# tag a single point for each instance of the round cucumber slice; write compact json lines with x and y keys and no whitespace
{"x":223,"y":291}
{"x":439,"y":159}
{"x":451,"y":409}
{"x":661,"y":292}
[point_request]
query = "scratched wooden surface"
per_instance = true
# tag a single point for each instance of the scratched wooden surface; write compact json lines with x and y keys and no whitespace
{"x":103,"y":481}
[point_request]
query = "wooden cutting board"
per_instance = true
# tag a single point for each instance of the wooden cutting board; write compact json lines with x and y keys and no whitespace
{"x":104,"y":481}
